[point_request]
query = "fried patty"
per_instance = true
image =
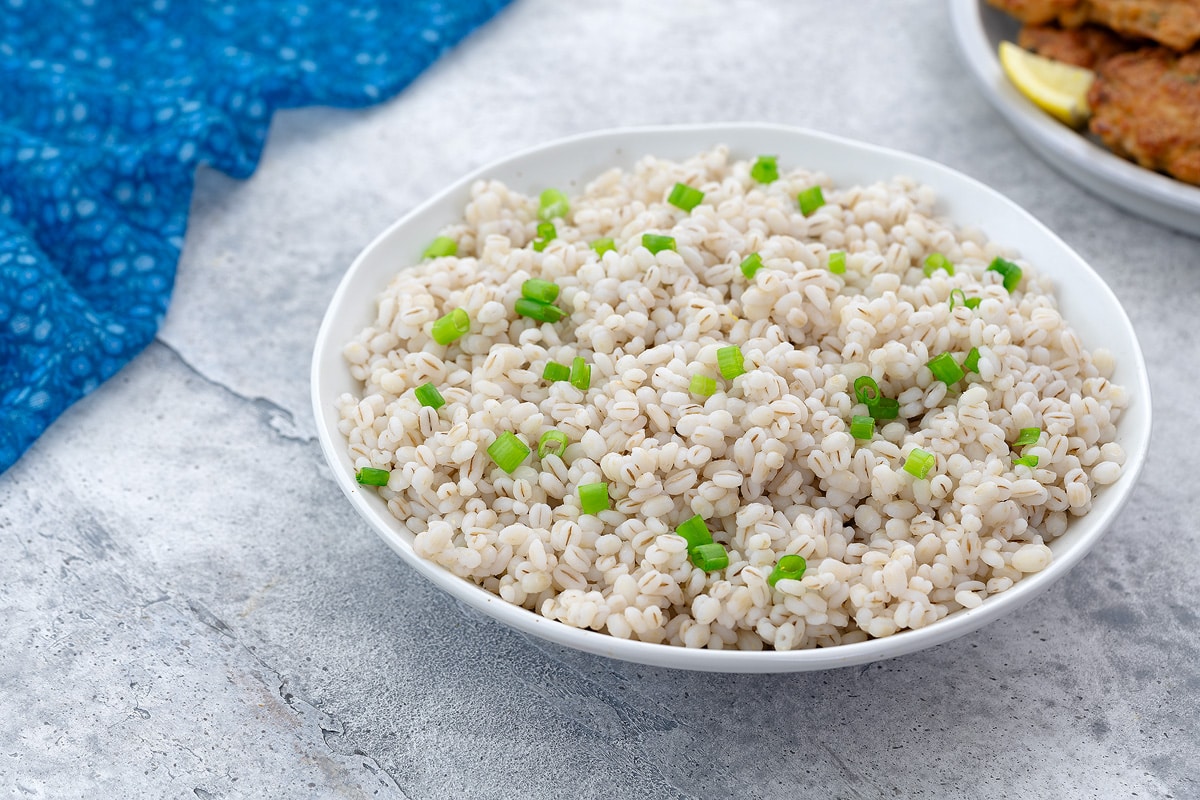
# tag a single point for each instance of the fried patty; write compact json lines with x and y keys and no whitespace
{"x":1086,"y":47}
{"x":1146,"y":107}
{"x":1174,"y":23}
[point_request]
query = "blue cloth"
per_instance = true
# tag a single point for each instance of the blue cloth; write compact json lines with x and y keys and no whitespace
{"x":106,"y":109}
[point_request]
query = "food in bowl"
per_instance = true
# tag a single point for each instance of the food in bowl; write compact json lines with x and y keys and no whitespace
{"x":1129,"y":71}
{"x":724,"y":403}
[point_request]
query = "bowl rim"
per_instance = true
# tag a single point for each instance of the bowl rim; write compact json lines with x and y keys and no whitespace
{"x":327,"y":356}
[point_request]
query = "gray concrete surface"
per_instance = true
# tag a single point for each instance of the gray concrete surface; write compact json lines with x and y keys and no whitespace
{"x":191,"y":609}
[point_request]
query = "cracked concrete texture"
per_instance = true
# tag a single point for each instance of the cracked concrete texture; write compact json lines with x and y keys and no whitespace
{"x":191,"y":608}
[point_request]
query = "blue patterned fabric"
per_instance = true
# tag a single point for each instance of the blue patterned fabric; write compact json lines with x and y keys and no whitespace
{"x":106,"y":108}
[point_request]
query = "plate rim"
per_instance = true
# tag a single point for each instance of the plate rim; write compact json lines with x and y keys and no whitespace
{"x":662,"y":655}
{"x":1081,"y":160}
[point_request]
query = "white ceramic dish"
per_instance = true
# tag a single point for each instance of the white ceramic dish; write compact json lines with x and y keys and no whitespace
{"x":570,"y":163}
{"x":979,"y":29}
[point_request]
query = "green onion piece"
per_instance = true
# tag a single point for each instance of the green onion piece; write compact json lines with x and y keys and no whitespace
{"x":1027,"y":436}
{"x":945,"y":369}
{"x":555,"y":371}
{"x":730,"y":362}
{"x":710,"y":557}
{"x":546,"y":232}
{"x":866,"y":390}
{"x":862,"y":427}
{"x":790,"y":567}
{"x":957,"y":295}
{"x":685,"y":197}
{"x":837,"y":262}
{"x":751,"y":264}
{"x":540,"y":290}
{"x":428,"y":395}
{"x":1010,"y":271}
{"x":603,"y":245}
{"x":765,"y":169}
{"x":703,"y":386}
{"x":508,"y":452}
{"x":694,"y":532}
{"x":884,"y":408}
{"x":581,"y":374}
{"x":451,"y":326}
{"x":593,"y":498}
{"x":810,"y":200}
{"x":372,"y":476}
{"x":542,"y":312}
{"x":973,"y":302}
{"x":918,"y":463}
{"x":441,"y":246}
{"x":553,"y":442}
{"x":552,"y":203}
{"x":936,"y":261}
{"x":1026,"y":461}
{"x":971,"y":362}
{"x":656,"y":244}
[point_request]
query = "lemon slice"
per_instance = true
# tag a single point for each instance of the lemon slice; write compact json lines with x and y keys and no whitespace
{"x":1061,"y":89}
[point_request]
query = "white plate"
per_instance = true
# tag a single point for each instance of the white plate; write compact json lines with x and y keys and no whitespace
{"x":1089,"y":305}
{"x":979,"y":29}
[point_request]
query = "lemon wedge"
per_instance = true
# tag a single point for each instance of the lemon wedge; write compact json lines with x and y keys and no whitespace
{"x":1058,"y":88}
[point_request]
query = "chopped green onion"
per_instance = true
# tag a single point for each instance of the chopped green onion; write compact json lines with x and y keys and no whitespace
{"x":540,"y":290}
{"x":1027,"y":436}
{"x":862,"y":427}
{"x":581,"y":374}
{"x":508,"y":452}
{"x":451,"y":326}
{"x":837,"y":262}
{"x":973,"y":302}
{"x":552,"y":203}
{"x":546,"y":232}
{"x":971,"y":362}
{"x":936,"y":261}
{"x":945,"y":369}
{"x":810,"y":200}
{"x":542,"y":312}
{"x":866,"y":390}
{"x":1026,"y":461}
{"x":884,"y":408}
{"x":959,"y":295}
{"x":1010,"y":271}
{"x":553,"y":442}
{"x":372,"y":476}
{"x":730,"y":362}
{"x":765,"y":169}
{"x":751,"y":264}
{"x":918,"y":463}
{"x":593,"y":498}
{"x":703,"y":386}
{"x":428,"y":395}
{"x":790,"y":567}
{"x":694,"y":532}
{"x":685,"y":197}
{"x":441,"y":246}
{"x":656,"y":243}
{"x":603,"y":245}
{"x":555,"y":371}
{"x":710,"y":557}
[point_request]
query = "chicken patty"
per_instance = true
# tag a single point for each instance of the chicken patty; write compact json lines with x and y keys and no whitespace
{"x":1146,"y":107}
{"x":1086,"y":47}
{"x":1174,"y":23}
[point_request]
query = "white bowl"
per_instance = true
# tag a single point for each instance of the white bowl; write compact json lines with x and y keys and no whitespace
{"x":1087,"y":303}
{"x":979,"y":29}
